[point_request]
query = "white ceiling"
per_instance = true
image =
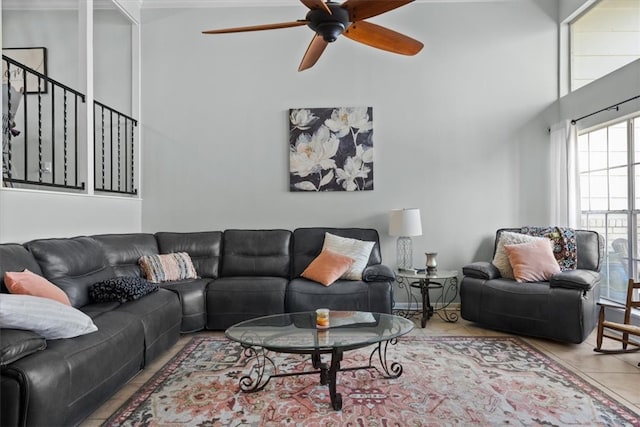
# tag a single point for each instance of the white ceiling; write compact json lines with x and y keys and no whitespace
{"x":151,"y":4}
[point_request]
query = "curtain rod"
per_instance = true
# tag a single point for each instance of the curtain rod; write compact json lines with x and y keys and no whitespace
{"x":614,"y":106}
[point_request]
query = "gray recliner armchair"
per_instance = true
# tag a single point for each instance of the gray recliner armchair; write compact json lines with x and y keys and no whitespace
{"x":562,"y":309}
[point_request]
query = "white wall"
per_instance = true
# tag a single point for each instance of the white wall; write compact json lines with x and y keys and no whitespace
{"x":26,"y":214}
{"x":459,"y":129}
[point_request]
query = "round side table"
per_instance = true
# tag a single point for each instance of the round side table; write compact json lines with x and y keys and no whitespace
{"x":447,"y":280}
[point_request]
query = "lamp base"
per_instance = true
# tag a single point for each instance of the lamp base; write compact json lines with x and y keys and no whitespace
{"x":404,"y":252}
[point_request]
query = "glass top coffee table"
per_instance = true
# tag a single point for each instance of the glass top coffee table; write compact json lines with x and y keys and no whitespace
{"x":297,"y":333}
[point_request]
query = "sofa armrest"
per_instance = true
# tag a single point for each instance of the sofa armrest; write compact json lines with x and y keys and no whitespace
{"x":378,"y":273}
{"x":17,"y":344}
{"x":481,"y":270}
{"x":575,"y":279}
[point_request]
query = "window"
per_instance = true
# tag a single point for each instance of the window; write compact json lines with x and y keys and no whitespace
{"x":604,"y":38}
{"x":609,"y":164}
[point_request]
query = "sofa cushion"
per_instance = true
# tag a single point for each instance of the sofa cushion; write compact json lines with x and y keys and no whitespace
{"x":306,"y":295}
{"x":308,"y":242}
{"x":532,"y":262}
{"x":17,"y":344}
{"x":46,"y":317}
{"x":160,"y":314}
{"x":256,"y":253}
{"x":191,"y":294}
{"x":204,"y":248}
{"x":167,"y":267}
{"x":28,"y":283}
{"x":358,"y":250}
{"x":328,"y":267}
{"x":72,"y":264}
{"x":233,"y":299}
{"x":121,"y":289}
{"x":124,"y":250}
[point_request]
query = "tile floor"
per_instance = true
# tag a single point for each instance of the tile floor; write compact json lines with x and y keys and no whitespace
{"x":618,"y":375}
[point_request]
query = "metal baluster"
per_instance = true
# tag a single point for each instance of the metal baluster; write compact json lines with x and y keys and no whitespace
{"x":119,"y":155}
{"x":133,"y":163}
{"x":65,"y":149}
{"x":53,"y":134}
{"x":75,"y":131}
{"x":126,"y":156}
{"x":39,"y":133}
{"x":8,"y":131}
{"x":111,"y":149}
{"x":102,"y":115}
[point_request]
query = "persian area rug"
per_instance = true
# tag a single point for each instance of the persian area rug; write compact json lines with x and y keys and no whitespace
{"x":468,"y":381}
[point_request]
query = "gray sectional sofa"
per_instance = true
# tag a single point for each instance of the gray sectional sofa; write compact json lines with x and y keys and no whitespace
{"x":241,"y":274}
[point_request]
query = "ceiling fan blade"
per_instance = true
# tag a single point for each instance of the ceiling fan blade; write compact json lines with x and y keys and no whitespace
{"x":363,"y":9}
{"x":316,"y":4}
{"x":382,"y":38}
{"x":297,"y":23}
{"x":315,"y":49}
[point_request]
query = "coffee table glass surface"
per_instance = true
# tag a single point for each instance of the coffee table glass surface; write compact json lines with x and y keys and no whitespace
{"x":297,"y":332}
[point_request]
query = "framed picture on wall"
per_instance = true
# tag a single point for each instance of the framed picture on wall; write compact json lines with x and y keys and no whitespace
{"x":32,"y":57}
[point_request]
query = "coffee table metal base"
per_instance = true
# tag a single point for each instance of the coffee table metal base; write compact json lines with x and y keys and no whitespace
{"x":257,"y":378}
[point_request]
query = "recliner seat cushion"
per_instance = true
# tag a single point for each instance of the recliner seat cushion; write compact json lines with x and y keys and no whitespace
{"x":233,"y":299}
{"x":307,"y":295}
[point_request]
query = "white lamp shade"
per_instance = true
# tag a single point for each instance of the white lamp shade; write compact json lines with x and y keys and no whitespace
{"x":405,"y":222}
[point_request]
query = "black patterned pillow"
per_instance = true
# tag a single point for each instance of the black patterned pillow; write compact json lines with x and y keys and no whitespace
{"x":121,"y":289}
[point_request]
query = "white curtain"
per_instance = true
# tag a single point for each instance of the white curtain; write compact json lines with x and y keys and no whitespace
{"x":565,"y":178}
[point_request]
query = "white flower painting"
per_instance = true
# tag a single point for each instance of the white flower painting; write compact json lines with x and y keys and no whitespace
{"x":331,"y":149}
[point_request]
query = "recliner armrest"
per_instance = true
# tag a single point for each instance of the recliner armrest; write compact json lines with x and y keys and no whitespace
{"x":378,"y":273}
{"x":17,"y":344}
{"x":575,"y":279}
{"x":481,"y":270}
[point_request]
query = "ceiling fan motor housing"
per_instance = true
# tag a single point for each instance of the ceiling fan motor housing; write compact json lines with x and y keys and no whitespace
{"x":329,"y":26}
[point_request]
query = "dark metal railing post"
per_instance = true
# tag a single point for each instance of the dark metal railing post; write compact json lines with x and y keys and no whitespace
{"x":53,"y":134}
{"x":65,"y":148}
{"x":39,"y":135}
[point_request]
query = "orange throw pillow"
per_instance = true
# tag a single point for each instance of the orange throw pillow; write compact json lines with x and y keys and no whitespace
{"x":533,"y":262}
{"x":28,"y":283}
{"x":327,"y":267}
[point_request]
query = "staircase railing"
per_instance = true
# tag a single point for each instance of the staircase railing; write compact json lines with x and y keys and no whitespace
{"x":114,"y":138}
{"x":45,"y":150}
{"x":49,"y":157}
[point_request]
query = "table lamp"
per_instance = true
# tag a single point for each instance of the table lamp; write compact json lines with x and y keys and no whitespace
{"x":405,"y":223}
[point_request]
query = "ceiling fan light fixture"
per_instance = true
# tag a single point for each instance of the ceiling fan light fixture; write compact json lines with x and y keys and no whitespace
{"x":330,"y":31}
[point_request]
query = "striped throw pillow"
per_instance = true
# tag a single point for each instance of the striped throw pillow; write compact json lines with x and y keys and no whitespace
{"x":359,"y":250}
{"x":167,"y":267}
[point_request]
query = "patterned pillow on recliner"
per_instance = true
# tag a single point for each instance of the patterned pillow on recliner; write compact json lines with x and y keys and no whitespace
{"x":121,"y":289}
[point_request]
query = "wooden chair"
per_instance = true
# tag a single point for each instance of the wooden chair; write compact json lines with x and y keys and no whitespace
{"x":620,"y":331}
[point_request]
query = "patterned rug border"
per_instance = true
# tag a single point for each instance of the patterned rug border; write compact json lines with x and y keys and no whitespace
{"x":150,"y":386}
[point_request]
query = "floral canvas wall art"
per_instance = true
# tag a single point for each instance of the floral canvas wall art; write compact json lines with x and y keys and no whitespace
{"x":331,"y":149}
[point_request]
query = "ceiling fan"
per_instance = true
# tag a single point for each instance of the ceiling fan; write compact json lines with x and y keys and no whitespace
{"x":331,"y":19}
